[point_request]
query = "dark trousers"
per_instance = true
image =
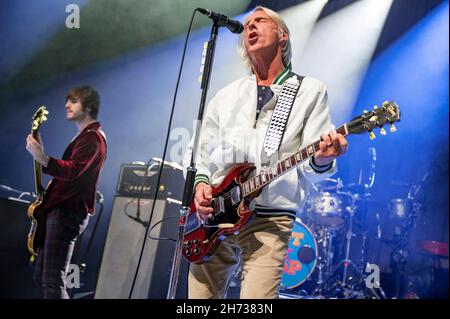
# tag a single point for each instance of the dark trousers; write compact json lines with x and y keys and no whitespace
{"x":51,"y":265}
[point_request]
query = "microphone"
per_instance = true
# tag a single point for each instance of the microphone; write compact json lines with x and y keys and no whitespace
{"x":223,"y":21}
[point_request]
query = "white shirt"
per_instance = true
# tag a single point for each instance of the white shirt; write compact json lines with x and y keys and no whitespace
{"x":230,"y":135}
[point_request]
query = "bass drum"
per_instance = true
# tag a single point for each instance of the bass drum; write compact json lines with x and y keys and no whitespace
{"x":301,"y":257}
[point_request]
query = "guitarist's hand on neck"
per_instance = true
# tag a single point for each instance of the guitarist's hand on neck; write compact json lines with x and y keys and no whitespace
{"x":36,"y":150}
{"x":332,"y":146}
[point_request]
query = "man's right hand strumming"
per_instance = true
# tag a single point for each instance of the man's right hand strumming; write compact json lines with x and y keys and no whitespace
{"x":202,"y":200}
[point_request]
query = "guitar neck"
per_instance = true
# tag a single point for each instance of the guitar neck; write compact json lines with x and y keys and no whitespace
{"x":257,"y":182}
{"x":37,"y":171}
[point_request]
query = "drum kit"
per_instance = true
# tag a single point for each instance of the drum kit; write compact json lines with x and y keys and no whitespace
{"x":340,"y":234}
{"x":318,"y":263}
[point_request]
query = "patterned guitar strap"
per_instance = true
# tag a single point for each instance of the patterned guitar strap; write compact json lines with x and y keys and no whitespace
{"x":280,"y":115}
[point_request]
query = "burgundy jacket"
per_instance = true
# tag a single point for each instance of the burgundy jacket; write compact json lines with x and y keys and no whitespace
{"x":76,"y":174}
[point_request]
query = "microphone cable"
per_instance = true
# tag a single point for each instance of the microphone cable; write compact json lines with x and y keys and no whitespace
{"x":163,"y":159}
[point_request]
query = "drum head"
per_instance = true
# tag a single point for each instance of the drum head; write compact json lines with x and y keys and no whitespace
{"x":328,"y":209}
{"x":301,"y":257}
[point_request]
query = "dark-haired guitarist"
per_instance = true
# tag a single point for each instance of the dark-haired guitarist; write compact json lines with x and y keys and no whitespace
{"x":70,"y":199}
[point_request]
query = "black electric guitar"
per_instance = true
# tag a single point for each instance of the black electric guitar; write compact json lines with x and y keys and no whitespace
{"x":36,"y":212}
{"x":232,"y":197}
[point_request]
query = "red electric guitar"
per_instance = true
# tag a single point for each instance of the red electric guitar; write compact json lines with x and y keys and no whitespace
{"x":232,"y":197}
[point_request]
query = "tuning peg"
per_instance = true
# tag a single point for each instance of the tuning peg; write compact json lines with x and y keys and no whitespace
{"x":393,"y":129}
{"x":365,"y":111}
{"x":45,"y":112}
{"x":375,"y":107}
{"x":385,"y":103}
{"x":44,"y":118}
{"x":200,"y":78}
{"x":382,"y":131}
{"x":35,"y":123}
{"x":372,"y":135}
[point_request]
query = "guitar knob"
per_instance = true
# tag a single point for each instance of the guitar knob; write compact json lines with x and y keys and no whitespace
{"x":196,"y":241}
{"x":197,"y":251}
{"x":188,"y":252}
{"x":187,"y":243}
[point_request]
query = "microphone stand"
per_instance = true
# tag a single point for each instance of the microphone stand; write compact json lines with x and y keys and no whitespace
{"x":191,"y":170}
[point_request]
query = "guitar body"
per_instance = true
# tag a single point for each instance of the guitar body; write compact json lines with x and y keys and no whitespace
{"x":36,"y":235}
{"x":230,"y":214}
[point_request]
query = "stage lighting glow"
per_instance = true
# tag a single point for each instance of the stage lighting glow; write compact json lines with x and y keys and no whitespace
{"x":300,"y":19}
{"x":340,"y":49}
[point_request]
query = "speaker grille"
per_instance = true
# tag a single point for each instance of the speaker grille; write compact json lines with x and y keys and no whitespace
{"x":123,"y":244}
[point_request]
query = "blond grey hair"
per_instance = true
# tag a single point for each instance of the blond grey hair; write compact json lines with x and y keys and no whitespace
{"x":286,"y":52}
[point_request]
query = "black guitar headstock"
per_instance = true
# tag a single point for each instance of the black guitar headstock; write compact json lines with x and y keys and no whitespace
{"x":39,"y":117}
{"x":388,"y":113}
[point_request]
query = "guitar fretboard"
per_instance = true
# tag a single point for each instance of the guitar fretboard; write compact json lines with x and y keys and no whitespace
{"x":39,"y":189}
{"x":255,"y":183}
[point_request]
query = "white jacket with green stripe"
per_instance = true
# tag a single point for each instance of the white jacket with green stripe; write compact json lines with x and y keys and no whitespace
{"x":230,"y":134}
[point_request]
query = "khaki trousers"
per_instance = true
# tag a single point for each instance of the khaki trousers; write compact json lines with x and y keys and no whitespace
{"x":261,"y":245}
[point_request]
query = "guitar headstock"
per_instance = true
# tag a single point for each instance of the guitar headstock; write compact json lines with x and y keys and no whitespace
{"x":39,"y":117}
{"x":388,"y":113}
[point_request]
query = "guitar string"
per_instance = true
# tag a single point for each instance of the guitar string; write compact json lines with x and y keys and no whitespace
{"x":233,"y":192}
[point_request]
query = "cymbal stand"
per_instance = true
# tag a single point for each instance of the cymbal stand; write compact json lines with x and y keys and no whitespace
{"x":325,"y":260}
{"x":348,"y":237}
{"x":346,"y":262}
